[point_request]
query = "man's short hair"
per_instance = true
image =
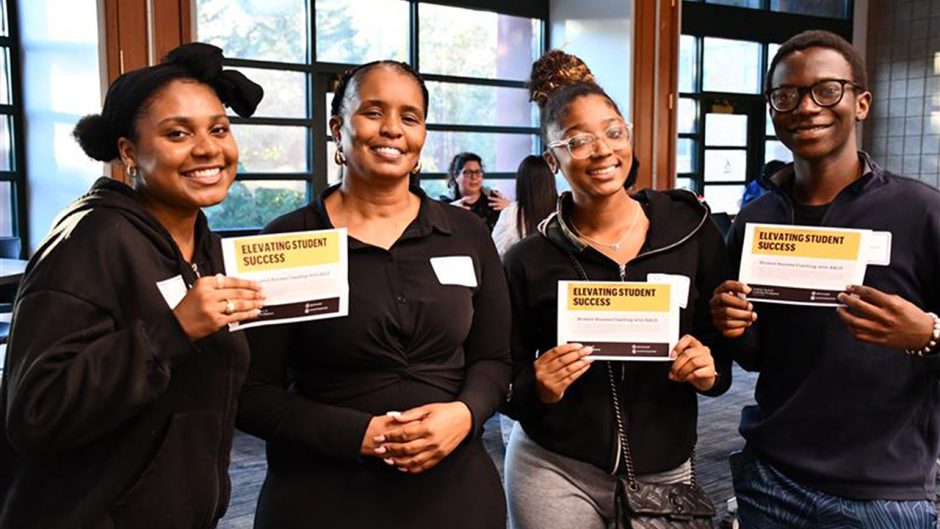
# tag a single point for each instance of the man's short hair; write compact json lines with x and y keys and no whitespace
{"x":820,"y":39}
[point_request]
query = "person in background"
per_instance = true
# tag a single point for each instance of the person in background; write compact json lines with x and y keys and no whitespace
{"x":846,"y":426}
{"x":563,"y":454}
{"x":121,"y":376}
{"x":375,"y":419}
{"x":757,"y":186}
{"x":465,"y":181}
{"x":536,"y":196}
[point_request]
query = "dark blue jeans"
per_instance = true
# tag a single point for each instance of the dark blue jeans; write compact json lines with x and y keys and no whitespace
{"x":769,"y":500}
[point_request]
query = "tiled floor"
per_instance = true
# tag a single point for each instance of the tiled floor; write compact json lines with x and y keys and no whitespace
{"x":718,"y":436}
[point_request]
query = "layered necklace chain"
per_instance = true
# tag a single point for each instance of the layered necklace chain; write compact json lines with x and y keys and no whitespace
{"x":614,"y":246}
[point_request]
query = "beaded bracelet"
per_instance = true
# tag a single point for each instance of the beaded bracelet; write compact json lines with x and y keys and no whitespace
{"x":932,"y":343}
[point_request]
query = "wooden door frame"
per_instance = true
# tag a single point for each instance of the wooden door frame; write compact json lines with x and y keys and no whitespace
{"x":139,"y":33}
{"x":655,"y":81}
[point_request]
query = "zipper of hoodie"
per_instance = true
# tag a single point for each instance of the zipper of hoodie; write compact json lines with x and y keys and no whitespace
{"x":622,"y":268}
{"x":220,"y":471}
{"x":213,"y":511}
{"x":623,"y":278}
{"x":668,"y":247}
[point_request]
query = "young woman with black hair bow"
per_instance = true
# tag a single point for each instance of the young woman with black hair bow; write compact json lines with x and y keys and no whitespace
{"x":121,"y":377}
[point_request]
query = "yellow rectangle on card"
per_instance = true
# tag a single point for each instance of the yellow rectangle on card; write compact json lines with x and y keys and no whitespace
{"x":817,"y":244}
{"x":291,"y":250}
{"x":620,"y":297}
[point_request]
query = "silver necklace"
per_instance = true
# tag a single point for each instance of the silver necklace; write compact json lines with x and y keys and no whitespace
{"x":614,"y":246}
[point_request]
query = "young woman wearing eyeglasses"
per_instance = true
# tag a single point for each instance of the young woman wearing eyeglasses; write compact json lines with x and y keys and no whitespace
{"x":465,"y":180}
{"x":561,"y":458}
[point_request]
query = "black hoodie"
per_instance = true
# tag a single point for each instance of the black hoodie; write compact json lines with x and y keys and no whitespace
{"x":660,"y":414}
{"x":852,"y":419}
{"x":112,"y":417}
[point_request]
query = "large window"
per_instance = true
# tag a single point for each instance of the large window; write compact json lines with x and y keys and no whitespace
{"x":720,"y":108}
{"x":475,"y":63}
{"x":821,"y":8}
{"x":12,"y":177}
{"x":724,"y":131}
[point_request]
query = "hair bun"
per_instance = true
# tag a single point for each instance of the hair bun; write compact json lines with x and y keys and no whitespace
{"x":556,"y":69}
{"x":96,"y":138}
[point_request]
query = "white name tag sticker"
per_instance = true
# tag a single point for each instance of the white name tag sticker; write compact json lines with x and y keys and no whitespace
{"x":680,"y":286}
{"x":455,"y":270}
{"x":879,"y":248}
{"x":173,"y":290}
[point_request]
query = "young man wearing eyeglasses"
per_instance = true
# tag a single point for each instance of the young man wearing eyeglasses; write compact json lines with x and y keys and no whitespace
{"x":846,"y":428}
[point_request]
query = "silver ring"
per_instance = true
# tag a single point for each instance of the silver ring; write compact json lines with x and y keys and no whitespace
{"x":229,"y":306}
{"x":219,"y":281}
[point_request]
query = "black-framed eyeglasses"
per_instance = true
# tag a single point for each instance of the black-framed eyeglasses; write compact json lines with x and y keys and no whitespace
{"x":825,"y":93}
{"x":582,"y":145}
{"x":469,"y":173}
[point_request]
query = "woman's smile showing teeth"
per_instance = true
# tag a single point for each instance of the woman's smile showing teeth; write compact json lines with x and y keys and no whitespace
{"x":209,"y":175}
{"x":389,"y":153}
{"x":603,"y":171}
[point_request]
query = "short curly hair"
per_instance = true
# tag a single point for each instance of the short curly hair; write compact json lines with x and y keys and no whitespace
{"x":820,"y":39}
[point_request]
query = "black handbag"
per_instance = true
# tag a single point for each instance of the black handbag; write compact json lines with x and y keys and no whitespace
{"x":652,"y":505}
{"x":649,"y":505}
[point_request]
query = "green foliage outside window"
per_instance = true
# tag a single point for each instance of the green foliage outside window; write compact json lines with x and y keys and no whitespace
{"x":250,"y":208}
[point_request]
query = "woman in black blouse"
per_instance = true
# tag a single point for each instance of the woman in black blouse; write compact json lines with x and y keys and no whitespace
{"x":465,"y":181}
{"x":427,"y":337}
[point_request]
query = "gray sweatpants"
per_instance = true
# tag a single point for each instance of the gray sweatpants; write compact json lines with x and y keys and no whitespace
{"x":546,"y":490}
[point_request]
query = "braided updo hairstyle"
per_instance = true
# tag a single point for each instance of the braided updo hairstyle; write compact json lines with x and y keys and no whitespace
{"x":556,"y":80}
{"x":352,"y":76}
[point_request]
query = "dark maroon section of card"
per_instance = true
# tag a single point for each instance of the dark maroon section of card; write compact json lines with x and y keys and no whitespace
{"x":801,"y":295}
{"x":299,"y":309}
{"x":630,"y":350}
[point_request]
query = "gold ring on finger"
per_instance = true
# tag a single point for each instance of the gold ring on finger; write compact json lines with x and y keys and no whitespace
{"x":229,"y":306}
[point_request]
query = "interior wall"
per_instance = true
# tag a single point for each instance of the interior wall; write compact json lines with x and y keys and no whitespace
{"x":600,"y":32}
{"x":903,"y":55}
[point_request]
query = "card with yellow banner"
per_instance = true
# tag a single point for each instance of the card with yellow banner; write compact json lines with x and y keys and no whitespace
{"x":304,"y":275}
{"x":803,"y":265}
{"x":632,"y":321}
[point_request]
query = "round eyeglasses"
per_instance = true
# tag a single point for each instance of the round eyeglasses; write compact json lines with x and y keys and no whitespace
{"x":826,"y":93}
{"x":582,"y":145}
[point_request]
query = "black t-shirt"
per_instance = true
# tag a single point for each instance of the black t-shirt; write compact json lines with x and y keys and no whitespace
{"x":807,"y":215}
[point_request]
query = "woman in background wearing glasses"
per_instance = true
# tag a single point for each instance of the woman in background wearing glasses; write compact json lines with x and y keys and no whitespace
{"x":561,"y":457}
{"x":465,"y":180}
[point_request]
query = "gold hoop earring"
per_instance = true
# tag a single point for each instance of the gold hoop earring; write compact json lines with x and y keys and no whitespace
{"x":338,"y":157}
{"x":417,"y":167}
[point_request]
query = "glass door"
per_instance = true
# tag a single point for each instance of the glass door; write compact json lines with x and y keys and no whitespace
{"x":730,"y":157}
